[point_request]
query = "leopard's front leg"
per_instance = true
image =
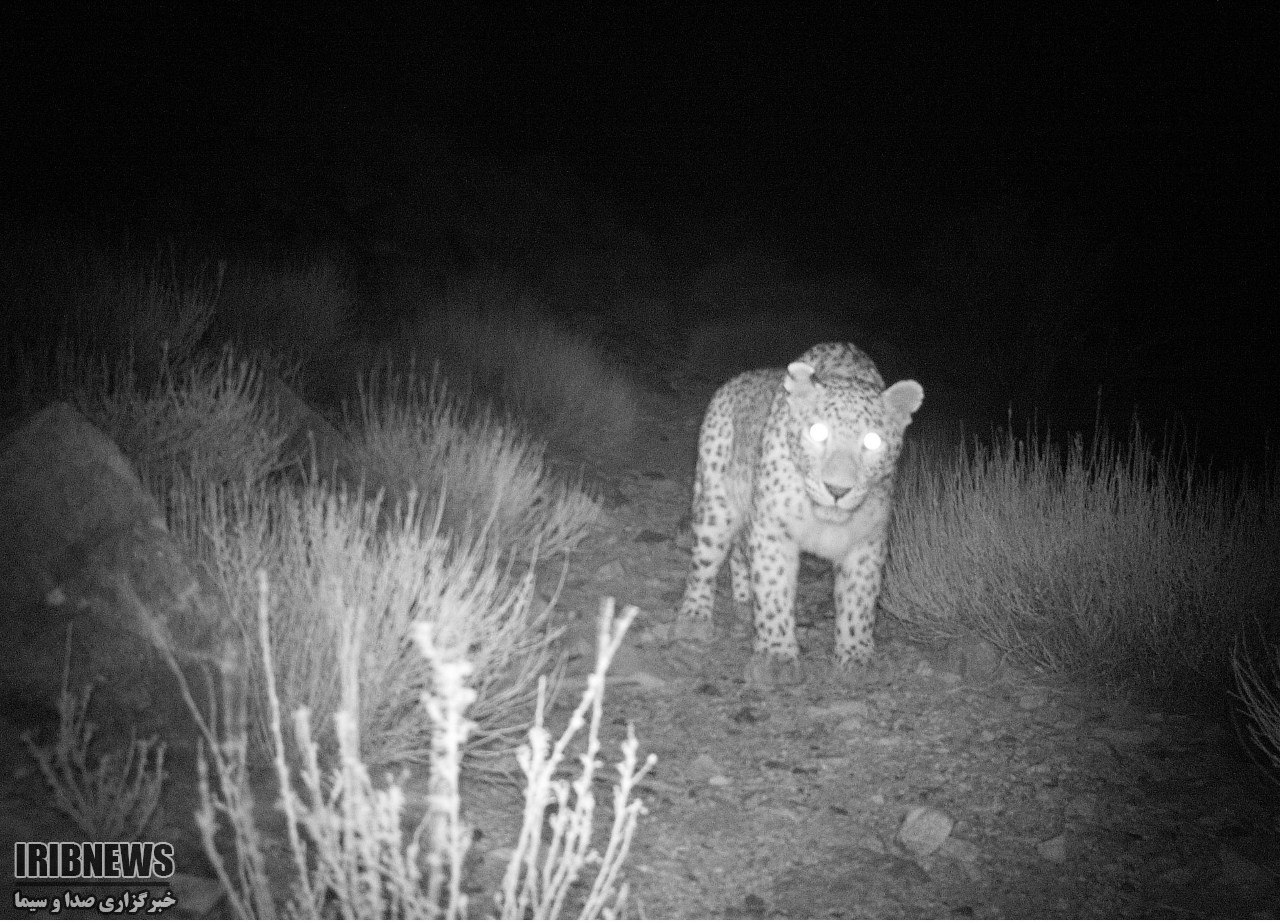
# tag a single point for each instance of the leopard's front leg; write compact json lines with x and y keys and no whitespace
{"x":775,"y":568}
{"x":857,"y":587}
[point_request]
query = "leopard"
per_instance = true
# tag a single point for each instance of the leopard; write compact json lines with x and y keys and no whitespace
{"x":801,"y":459}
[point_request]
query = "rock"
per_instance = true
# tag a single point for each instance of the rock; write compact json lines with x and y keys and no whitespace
{"x":1054,"y":850}
{"x":965,"y":855}
{"x":704,"y":768}
{"x":656,"y":635}
{"x":611,"y":572}
{"x":924,"y":830}
{"x":94,"y":583}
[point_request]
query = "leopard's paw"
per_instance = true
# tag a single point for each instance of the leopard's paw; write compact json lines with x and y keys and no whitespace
{"x":765,"y":671}
{"x":699,"y":630}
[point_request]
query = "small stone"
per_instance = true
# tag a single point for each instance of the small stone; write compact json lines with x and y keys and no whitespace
{"x":965,"y":855}
{"x":924,"y":830}
{"x":656,"y":635}
{"x":1054,"y":850}
{"x":705,"y":768}
{"x":961,"y":850}
{"x":719,"y":781}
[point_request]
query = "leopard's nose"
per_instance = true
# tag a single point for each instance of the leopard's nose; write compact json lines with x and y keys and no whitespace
{"x":835,"y":490}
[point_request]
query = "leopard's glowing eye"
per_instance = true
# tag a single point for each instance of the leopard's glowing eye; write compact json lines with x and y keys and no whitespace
{"x":819,"y":432}
{"x":872,"y":441}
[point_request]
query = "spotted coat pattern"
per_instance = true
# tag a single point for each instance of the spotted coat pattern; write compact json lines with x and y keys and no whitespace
{"x":791,"y":460}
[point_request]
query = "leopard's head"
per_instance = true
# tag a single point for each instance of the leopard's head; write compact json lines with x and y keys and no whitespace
{"x":845,"y":435}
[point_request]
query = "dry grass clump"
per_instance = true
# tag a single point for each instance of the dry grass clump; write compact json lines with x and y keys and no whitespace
{"x":1117,"y":562}
{"x":479,"y":467}
{"x":205,"y":417}
{"x":348,"y":852}
{"x":1258,"y":690}
{"x":541,"y":872}
{"x":115,"y":302}
{"x":110,"y":795}
{"x":407,"y":626}
{"x":329,"y":552}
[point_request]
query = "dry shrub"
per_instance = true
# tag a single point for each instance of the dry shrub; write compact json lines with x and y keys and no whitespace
{"x":328,"y":553}
{"x":1117,"y":562}
{"x":1258,"y":690}
{"x":117,"y":303}
{"x":479,"y":470}
{"x":111,"y":795}
{"x":206,"y":418}
{"x":346,"y":839}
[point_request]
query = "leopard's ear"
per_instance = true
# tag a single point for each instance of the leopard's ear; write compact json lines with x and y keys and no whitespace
{"x":903,"y":398}
{"x":799,"y":381}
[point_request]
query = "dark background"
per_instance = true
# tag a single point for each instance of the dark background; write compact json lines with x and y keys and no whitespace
{"x":1121,"y":160}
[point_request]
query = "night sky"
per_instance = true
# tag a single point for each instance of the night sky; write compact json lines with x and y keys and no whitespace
{"x":1131,"y":146}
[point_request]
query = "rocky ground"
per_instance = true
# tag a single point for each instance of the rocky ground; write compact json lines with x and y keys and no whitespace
{"x":938,"y":783}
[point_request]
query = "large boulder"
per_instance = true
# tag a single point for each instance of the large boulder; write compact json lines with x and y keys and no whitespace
{"x":91,"y":581}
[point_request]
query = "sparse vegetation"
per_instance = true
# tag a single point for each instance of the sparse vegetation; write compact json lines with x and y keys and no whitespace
{"x":206,"y":419}
{"x":349,"y":855}
{"x":115,"y":302}
{"x":204,"y":415}
{"x":375,"y":617}
{"x":111,"y":795}
{"x":485,"y":474}
{"x":1258,"y":690}
{"x":330,"y":552}
{"x":395,"y":625}
{"x":1116,"y":562}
